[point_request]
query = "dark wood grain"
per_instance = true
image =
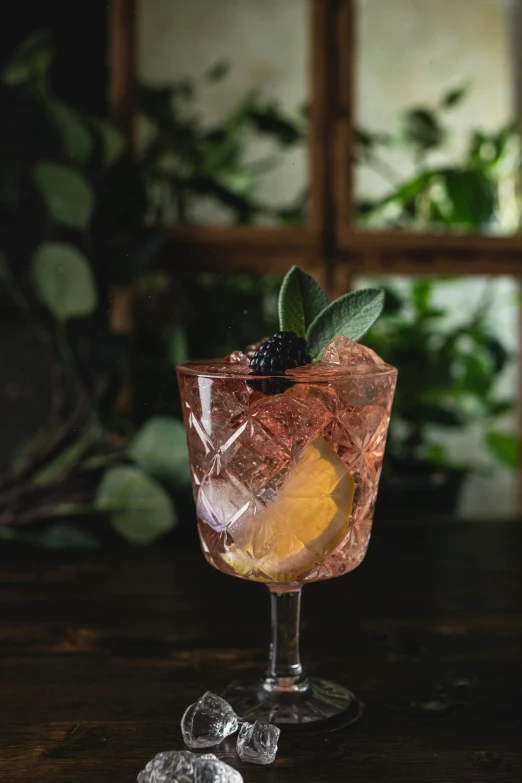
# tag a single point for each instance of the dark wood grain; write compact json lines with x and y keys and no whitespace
{"x":100,"y":654}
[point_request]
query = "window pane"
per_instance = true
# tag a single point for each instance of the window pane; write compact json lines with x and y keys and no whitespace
{"x":226,"y":143}
{"x":436,"y":109}
{"x":454,"y":342}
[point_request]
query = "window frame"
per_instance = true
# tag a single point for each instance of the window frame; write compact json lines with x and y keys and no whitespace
{"x":330,"y":245}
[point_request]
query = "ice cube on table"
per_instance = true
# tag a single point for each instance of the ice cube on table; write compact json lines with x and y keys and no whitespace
{"x":182,"y":766}
{"x":342,"y":350}
{"x":257,"y":742}
{"x":208,"y":721}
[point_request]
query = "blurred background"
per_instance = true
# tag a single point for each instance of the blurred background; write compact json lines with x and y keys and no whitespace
{"x":164,"y":163}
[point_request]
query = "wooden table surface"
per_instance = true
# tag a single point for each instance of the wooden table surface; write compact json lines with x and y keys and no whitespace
{"x":101,"y":653}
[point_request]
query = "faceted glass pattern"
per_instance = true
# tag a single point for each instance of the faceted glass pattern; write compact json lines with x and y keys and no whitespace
{"x":285,"y":484}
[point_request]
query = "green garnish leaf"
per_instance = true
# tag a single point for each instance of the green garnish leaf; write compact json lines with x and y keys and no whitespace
{"x":351,"y":315}
{"x":301,"y":300}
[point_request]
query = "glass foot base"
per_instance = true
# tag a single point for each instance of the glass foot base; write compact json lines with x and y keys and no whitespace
{"x":307,"y":705}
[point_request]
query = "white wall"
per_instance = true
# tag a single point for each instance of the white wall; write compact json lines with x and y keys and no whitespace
{"x":266,"y":43}
{"x":411,"y":51}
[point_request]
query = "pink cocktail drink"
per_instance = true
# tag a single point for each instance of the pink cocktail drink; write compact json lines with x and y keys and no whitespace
{"x":286,"y":449}
{"x":285,"y":483}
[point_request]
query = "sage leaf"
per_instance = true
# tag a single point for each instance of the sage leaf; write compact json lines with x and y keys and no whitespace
{"x":301,"y":299}
{"x":351,"y":315}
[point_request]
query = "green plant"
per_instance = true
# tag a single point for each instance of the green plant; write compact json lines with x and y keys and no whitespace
{"x":478,"y":191}
{"x":186,"y":161}
{"x":304,"y":310}
{"x":67,"y":189}
{"x":449,"y":377}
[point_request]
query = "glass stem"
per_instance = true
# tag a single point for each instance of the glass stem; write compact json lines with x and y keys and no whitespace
{"x":285,"y":671}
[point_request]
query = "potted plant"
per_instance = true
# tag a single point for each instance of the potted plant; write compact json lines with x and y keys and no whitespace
{"x":449,"y":379}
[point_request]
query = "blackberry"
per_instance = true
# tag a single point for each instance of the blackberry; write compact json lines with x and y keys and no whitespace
{"x":283,"y":351}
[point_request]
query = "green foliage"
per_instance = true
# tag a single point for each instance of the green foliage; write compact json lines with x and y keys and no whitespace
{"x":83,"y":134}
{"x":478,"y":192}
{"x":67,"y":195}
{"x":420,"y":129}
{"x":505,"y":446}
{"x":351,"y":315}
{"x":304,"y":309}
{"x":176,"y":345}
{"x":66,"y":169}
{"x":64,"y":280}
{"x":55,"y":538}
{"x":268,"y":120}
{"x":470,"y":198}
{"x":186,"y":162}
{"x":31,"y":60}
{"x":160,"y":448}
{"x":139,"y":508}
{"x":111,"y":140}
{"x":218,"y":71}
{"x":301,"y":299}
{"x":455,"y":96}
{"x":77,"y":139}
{"x":61,"y":536}
{"x":448,"y":375}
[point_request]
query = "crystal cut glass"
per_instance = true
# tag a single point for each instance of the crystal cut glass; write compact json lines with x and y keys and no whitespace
{"x":285,"y":482}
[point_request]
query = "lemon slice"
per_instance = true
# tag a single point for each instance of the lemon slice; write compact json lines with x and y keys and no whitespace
{"x":303,"y":523}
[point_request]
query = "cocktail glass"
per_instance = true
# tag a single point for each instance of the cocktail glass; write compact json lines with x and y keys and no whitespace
{"x":285,"y":474}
